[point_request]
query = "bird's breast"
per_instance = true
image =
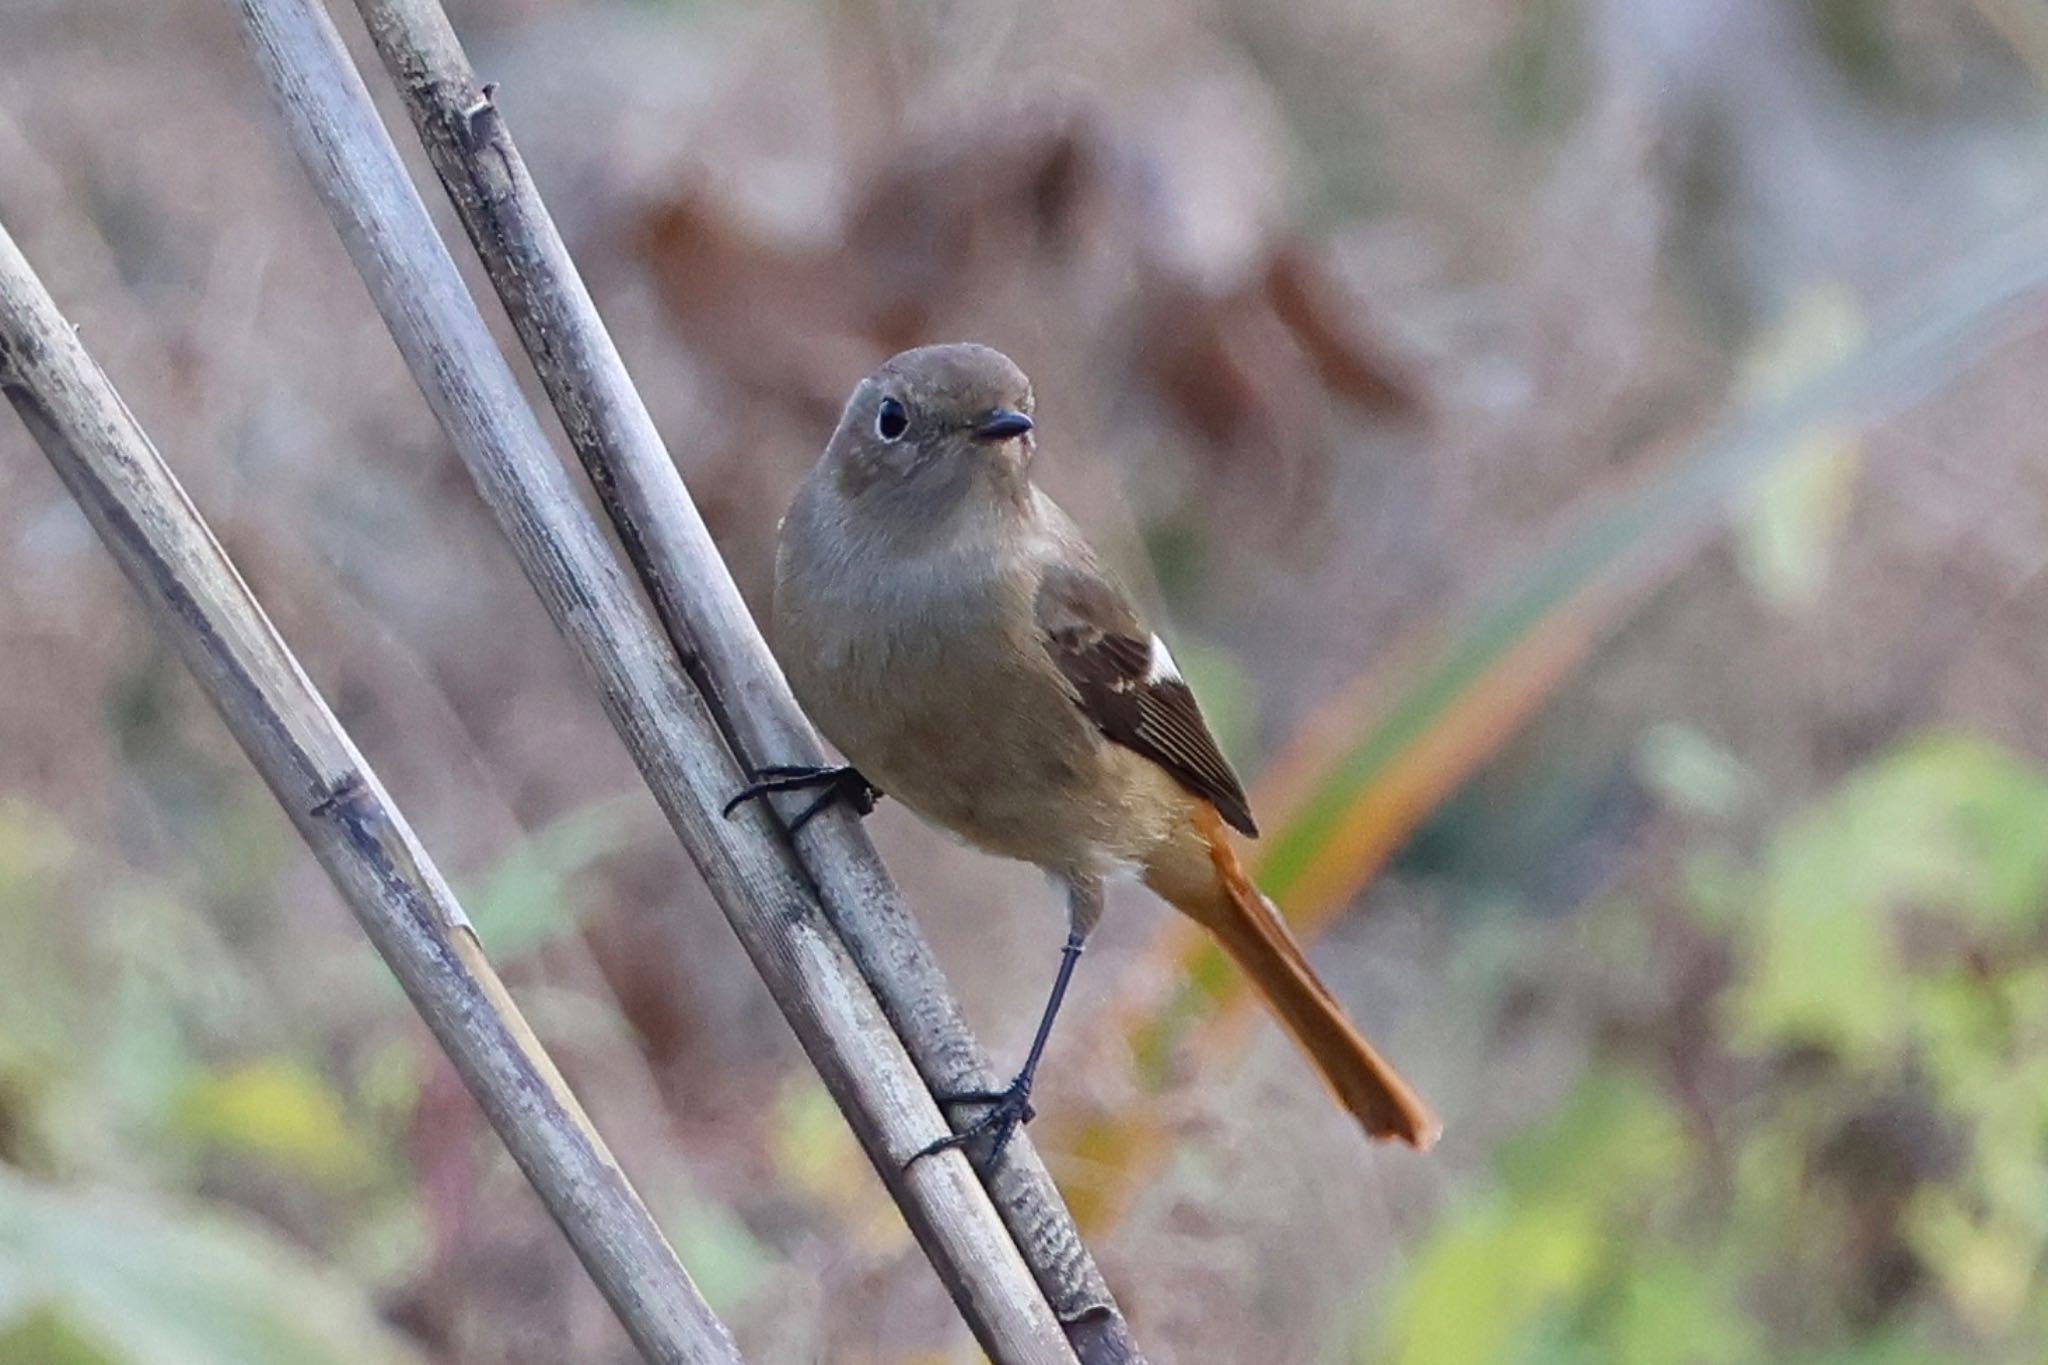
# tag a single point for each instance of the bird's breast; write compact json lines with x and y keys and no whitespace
{"x":935,"y":685}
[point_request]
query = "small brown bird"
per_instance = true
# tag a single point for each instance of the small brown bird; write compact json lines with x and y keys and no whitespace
{"x":947,"y":628}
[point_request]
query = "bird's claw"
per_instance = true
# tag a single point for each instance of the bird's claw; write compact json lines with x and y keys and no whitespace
{"x":1008,"y":1109}
{"x":842,"y":783}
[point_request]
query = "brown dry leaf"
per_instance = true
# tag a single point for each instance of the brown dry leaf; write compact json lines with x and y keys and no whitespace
{"x":993,"y":211}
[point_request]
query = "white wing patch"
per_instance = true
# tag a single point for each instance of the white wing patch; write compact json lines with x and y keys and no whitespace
{"x":1161,"y":667}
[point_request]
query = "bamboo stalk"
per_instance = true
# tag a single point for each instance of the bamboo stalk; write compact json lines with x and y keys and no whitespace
{"x":665,"y":724}
{"x":706,"y":619}
{"x":342,"y":811}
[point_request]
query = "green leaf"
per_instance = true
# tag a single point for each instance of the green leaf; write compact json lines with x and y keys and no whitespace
{"x":1490,"y":1278}
{"x":1484,"y":1279}
{"x":143,"y":1283}
{"x":1825,"y":968}
{"x":279,"y":1110}
{"x":730,"y":1265}
{"x":1612,"y":1136}
{"x":45,"y":1335}
{"x":532,"y":896}
{"x":1672,"y":1311}
{"x":1796,"y":514}
{"x":1988,"y":1266}
{"x":1949,"y":827}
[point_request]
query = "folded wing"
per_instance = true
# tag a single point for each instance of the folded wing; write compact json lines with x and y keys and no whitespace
{"x":1126,"y":682}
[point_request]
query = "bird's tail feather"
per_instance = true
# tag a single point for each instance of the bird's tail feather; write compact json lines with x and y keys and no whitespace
{"x":1203,"y":878}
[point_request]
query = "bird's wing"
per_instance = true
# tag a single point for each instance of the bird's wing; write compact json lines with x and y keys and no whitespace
{"x":1126,"y":683}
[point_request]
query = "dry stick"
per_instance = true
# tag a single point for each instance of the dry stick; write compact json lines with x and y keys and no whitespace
{"x":665,"y":724}
{"x":701,"y":608}
{"x":153,"y":530}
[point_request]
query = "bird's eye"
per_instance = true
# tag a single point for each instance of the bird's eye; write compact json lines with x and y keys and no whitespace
{"x":891,"y":421}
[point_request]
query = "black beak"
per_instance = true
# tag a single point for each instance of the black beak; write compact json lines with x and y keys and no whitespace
{"x":1001,"y":425}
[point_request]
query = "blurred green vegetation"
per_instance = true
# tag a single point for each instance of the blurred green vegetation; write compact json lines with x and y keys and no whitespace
{"x":114,"y":1277}
{"x":1734,"y":1003}
{"x":1837,"y":1156}
{"x":145,"y":1051}
{"x":147,"y":1054}
{"x":1834,"y":1159}
{"x":1365,"y":778}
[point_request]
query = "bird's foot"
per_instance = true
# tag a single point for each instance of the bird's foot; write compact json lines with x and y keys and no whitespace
{"x":843,"y":783}
{"x":1008,"y":1109}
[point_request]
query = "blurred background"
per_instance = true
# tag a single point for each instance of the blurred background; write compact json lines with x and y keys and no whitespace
{"x":1671,"y":808}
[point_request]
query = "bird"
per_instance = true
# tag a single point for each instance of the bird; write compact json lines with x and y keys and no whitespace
{"x":948,"y":629}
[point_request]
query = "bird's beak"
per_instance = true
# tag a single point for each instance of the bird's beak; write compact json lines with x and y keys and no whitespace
{"x":1001,"y":425}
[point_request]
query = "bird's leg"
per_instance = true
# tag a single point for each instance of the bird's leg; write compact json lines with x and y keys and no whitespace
{"x":1011,"y":1105}
{"x":842,"y":783}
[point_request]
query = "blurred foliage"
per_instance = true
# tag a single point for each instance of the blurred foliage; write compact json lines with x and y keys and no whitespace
{"x":816,"y":1157}
{"x":1465,"y":327}
{"x":1542,"y":69}
{"x":1859,"y":1177}
{"x":1360,"y":776}
{"x":1857,"y":34}
{"x":113,"y":1278}
{"x":1800,"y":508}
{"x":279,"y":1110}
{"x":536,"y":893}
{"x":132,"y":1056}
{"x":1363,"y":775}
{"x":148,"y":1050}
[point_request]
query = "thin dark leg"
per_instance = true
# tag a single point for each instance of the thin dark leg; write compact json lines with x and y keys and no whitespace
{"x":1011,"y":1106}
{"x":843,"y":783}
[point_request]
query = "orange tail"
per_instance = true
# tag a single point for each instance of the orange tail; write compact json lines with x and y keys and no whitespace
{"x":1206,"y":882}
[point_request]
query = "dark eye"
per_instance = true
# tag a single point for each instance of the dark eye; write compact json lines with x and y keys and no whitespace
{"x":891,"y":421}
